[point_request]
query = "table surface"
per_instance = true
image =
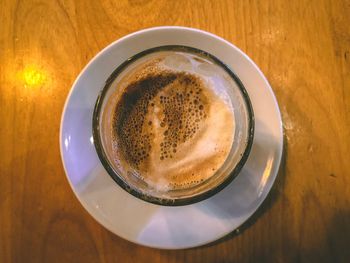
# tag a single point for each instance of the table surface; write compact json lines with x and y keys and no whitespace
{"x":303,"y":48}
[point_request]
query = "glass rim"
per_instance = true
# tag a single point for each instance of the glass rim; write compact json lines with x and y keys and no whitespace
{"x":171,"y":201}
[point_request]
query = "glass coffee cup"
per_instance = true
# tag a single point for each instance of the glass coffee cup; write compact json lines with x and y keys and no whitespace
{"x":173,"y":125}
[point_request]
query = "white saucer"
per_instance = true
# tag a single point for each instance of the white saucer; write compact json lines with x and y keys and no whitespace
{"x":152,"y":225}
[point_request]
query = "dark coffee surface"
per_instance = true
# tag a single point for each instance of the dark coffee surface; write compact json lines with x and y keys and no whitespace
{"x":183,"y":107}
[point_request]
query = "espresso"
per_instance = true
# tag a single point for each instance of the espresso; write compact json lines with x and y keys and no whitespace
{"x":172,"y":126}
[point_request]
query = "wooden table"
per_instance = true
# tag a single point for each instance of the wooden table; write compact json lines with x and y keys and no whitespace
{"x":303,"y":47}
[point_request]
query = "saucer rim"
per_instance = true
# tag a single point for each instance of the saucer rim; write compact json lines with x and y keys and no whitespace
{"x":278,"y":155}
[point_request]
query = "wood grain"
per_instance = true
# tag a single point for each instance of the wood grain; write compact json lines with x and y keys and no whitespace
{"x":303,"y":47}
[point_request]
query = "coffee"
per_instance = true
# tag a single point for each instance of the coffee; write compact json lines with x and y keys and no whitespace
{"x":173,"y":124}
